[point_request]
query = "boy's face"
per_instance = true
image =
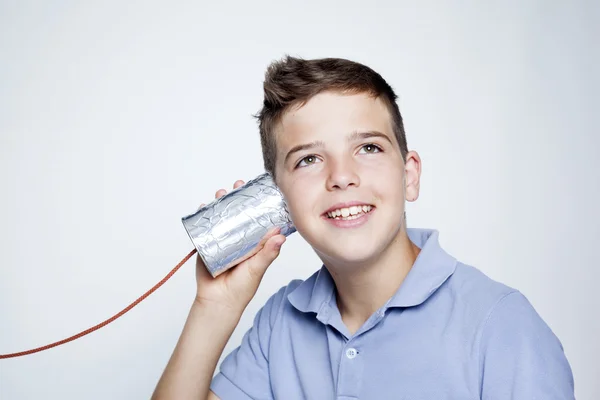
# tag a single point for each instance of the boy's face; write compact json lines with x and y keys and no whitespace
{"x":339,"y":151}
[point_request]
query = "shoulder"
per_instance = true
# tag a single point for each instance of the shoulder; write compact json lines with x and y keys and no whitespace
{"x":511,"y":337}
{"x":497,"y":307}
{"x":479,"y":301}
{"x":476,"y":288}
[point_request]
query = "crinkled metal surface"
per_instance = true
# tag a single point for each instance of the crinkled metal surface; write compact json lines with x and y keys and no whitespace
{"x":228,"y":230}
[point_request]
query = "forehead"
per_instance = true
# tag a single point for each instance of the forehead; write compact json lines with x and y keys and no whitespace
{"x":332,"y":115}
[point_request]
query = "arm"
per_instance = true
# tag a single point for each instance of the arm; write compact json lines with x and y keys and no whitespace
{"x":189,"y":371}
{"x":213,"y":317}
{"x":520,"y":357}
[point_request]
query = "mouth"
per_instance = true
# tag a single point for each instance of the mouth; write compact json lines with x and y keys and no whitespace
{"x":348,"y":212}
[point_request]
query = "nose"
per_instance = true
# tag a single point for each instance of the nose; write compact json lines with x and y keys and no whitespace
{"x":341,"y":176}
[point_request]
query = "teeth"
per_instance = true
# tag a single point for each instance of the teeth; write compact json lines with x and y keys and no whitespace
{"x":349,"y":212}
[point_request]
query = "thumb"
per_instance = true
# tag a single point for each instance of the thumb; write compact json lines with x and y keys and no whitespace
{"x":258,"y":264}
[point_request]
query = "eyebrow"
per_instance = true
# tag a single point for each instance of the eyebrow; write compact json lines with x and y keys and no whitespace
{"x":301,"y":147}
{"x":320,"y":144}
{"x":368,"y":134}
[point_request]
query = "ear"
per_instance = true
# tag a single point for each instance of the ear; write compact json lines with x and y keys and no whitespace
{"x":412,"y":175}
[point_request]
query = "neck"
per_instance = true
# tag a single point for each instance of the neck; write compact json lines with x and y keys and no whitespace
{"x":363,"y":289}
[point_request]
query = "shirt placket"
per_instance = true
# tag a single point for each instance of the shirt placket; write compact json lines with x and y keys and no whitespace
{"x":351,"y":357}
{"x":351,"y":371}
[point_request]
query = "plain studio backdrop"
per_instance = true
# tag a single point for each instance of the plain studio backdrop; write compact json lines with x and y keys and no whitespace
{"x":119,"y":118}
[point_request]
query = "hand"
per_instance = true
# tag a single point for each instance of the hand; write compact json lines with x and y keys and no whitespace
{"x":234,"y":288}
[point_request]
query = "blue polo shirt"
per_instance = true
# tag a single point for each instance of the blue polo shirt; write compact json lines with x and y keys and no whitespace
{"x":449,"y":332}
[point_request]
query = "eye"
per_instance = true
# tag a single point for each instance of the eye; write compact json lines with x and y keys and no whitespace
{"x":308,"y":160}
{"x":371,"y":148}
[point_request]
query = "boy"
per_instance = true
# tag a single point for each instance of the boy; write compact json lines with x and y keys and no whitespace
{"x":390,"y":315}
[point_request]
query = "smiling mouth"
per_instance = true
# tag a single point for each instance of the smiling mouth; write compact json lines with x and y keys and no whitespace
{"x":349,"y":213}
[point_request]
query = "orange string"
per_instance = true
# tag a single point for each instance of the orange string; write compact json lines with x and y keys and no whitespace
{"x":108,"y":321}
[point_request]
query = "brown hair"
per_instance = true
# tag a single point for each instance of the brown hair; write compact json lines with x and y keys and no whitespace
{"x":294,"y":81}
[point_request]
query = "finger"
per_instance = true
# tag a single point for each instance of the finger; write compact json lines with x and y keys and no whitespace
{"x":201,"y":205}
{"x":270,"y":233}
{"x":258,"y":264}
{"x":220,"y":193}
{"x":238,"y":183}
{"x":202,"y":273}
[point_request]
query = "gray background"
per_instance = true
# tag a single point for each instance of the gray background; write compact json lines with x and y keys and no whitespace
{"x":118,"y":118}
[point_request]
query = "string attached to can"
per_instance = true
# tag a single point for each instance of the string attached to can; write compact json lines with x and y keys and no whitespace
{"x":224,"y":233}
{"x":108,"y":321}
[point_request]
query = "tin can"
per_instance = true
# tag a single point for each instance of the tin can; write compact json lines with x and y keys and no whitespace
{"x":228,"y":230}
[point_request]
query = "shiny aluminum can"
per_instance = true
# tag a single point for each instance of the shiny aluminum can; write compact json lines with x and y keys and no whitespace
{"x":228,"y":230}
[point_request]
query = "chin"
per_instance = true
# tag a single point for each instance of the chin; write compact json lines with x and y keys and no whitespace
{"x":362,"y":245}
{"x":347,"y":253}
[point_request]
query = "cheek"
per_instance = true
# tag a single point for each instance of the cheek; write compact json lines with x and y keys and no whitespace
{"x":393,"y":191}
{"x":302,"y":203}
{"x":383,"y":173}
{"x":384,"y":167}
{"x":385,"y":186}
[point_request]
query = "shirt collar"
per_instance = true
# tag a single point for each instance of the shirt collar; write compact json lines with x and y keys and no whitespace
{"x":431,"y":269}
{"x":314,"y":293}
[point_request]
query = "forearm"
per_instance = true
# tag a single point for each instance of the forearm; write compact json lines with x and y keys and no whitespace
{"x":191,"y":367}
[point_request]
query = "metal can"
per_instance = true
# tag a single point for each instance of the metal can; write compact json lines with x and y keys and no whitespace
{"x":228,"y":230}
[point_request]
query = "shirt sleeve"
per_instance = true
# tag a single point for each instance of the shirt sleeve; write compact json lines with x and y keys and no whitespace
{"x":520,"y":357}
{"x":244,"y":373}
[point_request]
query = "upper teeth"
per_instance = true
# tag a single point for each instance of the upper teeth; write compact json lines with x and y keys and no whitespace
{"x":344,"y":212}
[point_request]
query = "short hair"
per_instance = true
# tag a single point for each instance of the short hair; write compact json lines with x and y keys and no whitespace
{"x":293,"y":81}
